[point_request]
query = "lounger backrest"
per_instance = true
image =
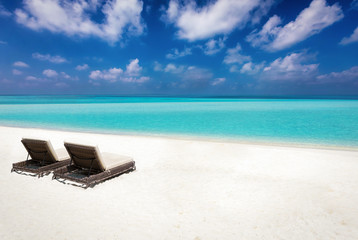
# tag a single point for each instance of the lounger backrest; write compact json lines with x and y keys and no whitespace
{"x":40,"y":149}
{"x":82,"y":155}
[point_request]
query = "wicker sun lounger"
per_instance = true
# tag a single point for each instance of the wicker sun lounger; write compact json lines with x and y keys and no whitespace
{"x":44,"y":159}
{"x":89,"y":166}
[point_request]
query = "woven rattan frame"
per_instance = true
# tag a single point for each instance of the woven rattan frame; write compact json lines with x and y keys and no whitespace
{"x":91,"y":180}
{"x":25,"y":167}
{"x":45,"y":162}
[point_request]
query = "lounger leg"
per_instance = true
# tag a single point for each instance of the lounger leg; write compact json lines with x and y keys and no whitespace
{"x":27,"y":159}
{"x":43,"y":160}
{"x":89,"y":172}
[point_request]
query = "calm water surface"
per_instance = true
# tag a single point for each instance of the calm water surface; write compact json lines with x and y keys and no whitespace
{"x":327,"y":122}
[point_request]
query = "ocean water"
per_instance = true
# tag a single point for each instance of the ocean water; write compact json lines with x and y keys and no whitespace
{"x":322,"y":122}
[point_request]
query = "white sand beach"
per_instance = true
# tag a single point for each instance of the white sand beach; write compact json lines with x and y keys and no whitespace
{"x":185,"y":189}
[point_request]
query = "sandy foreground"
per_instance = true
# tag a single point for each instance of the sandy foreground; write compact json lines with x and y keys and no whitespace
{"x":185,"y":189}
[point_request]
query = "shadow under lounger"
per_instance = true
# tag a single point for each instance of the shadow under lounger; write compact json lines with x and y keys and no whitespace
{"x":89,"y":166}
{"x":44,"y":159}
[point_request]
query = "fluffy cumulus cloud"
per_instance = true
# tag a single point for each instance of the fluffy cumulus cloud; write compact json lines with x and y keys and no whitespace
{"x":65,"y":75}
{"x":175,"y":53}
{"x":82,"y":67}
{"x":50,"y":73}
{"x":354,"y":36}
{"x":20,"y":64}
{"x":169,"y":68}
{"x":350,"y":75}
{"x":217,"y":17}
{"x":176,"y":69}
{"x":48,"y":57}
{"x":75,"y":17}
{"x":351,"y":39}
{"x":112,"y":75}
{"x":234,"y":58}
{"x":186,"y":77}
{"x":218,"y":81}
{"x":50,"y":76}
{"x":310,"y":21}
{"x":213,"y":46}
{"x":251,"y":68}
{"x":291,"y":67}
{"x":31,"y":78}
{"x":133,"y":68}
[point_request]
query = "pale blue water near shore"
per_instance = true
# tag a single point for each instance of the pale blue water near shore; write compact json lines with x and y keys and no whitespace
{"x":318,"y":121}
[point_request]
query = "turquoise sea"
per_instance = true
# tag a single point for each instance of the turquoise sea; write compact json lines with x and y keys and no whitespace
{"x":306,"y":121}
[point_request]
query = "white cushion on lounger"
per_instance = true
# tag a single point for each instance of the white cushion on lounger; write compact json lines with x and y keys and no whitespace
{"x":112,"y":160}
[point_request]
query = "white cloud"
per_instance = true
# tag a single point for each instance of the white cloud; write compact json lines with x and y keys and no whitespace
{"x":50,"y":73}
{"x":53,"y":75}
{"x":157,"y":67}
{"x":217,"y":17}
{"x":16,"y":72}
{"x":4,"y":12}
{"x":234,"y":56}
{"x":172,"y":68}
{"x":186,"y":76}
{"x":82,"y":67}
{"x":344,"y":76}
{"x":3,"y":42}
{"x":65,"y":75}
{"x":141,"y":79}
{"x":239,"y":62}
{"x":75,"y":17}
{"x":291,"y":67}
{"x":175,"y":53}
{"x":263,"y":9}
{"x":20,"y":64}
{"x":213,"y":46}
{"x":132,"y":74}
{"x":351,"y":39}
{"x":218,"y":81}
{"x":133,"y":68}
{"x":31,"y":78}
{"x":310,"y":21}
{"x":48,"y":57}
{"x":251,"y":68}
{"x":35,"y":80}
{"x":267,"y":33}
{"x":110,"y":75}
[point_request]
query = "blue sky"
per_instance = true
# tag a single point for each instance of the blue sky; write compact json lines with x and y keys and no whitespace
{"x":174,"y":47}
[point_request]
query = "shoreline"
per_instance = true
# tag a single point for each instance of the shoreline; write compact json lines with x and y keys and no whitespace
{"x":272,"y":143}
